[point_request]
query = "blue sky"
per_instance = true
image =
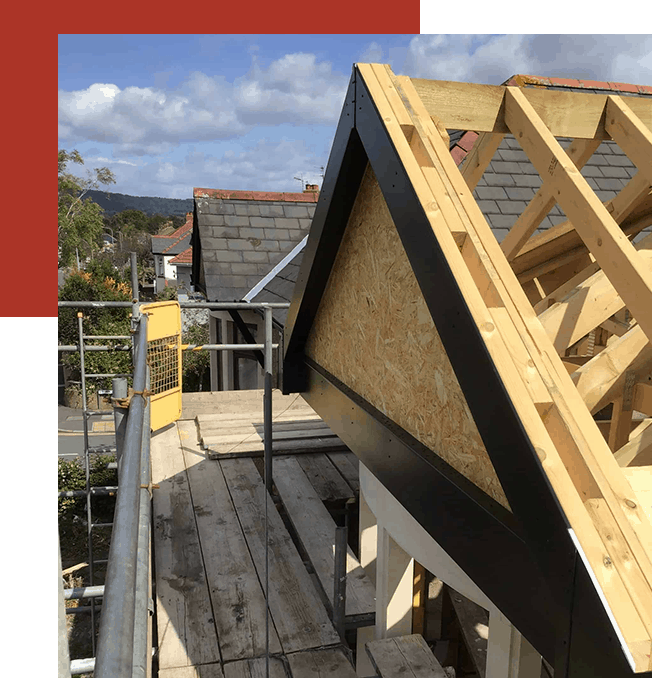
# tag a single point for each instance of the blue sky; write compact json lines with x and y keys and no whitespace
{"x":170,"y":112}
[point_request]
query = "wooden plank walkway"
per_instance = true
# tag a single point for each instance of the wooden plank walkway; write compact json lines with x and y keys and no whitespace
{"x":234,"y":427}
{"x":316,"y":529}
{"x":209,"y":558}
{"x":404,"y":657}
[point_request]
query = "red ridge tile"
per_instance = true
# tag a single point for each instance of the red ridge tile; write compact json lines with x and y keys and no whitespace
{"x":467,"y":140}
{"x":255,"y":195}
{"x":458,"y":154}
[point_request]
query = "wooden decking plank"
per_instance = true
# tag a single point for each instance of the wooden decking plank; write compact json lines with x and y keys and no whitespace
{"x":224,"y":402}
{"x":230,"y":419}
{"x":255,"y":668}
{"x":299,"y":616}
{"x":321,"y":663}
{"x":256,"y":427}
{"x":202,"y":671}
{"x":224,"y":437}
{"x":325,"y":478}
{"x":316,"y":530}
{"x":404,"y":656}
{"x":348,"y":469}
{"x":186,"y":631}
{"x":256,"y":449}
{"x":236,"y":593}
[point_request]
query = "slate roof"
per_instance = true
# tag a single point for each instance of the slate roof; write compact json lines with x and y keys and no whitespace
{"x":239,"y":237}
{"x":176,"y":242}
{"x":511,"y":181}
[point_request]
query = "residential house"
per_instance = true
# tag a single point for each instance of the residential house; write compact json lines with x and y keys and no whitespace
{"x":239,"y":238}
{"x":172,"y":257}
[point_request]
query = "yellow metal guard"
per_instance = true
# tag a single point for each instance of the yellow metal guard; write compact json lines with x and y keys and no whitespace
{"x":164,"y":359}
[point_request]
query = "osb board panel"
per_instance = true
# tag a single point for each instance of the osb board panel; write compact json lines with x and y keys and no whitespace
{"x":373,"y":332}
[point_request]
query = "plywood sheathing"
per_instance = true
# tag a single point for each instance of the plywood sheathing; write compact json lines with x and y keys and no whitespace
{"x":373,"y":332}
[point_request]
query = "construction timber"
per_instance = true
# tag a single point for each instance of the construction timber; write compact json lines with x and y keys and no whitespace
{"x":500,"y":392}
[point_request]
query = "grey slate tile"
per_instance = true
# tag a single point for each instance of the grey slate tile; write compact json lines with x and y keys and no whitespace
{"x":527,"y":168}
{"x":286,"y":223}
{"x":533,"y":180}
{"x":232,"y":220}
{"x":269,"y":245}
{"x":488,"y":206}
{"x":591,"y":171}
{"x":275,"y":257}
{"x":597,"y":159}
{"x":513,"y":155}
{"x":296,"y":211}
{"x":554,"y":220}
{"x":240,"y":245}
{"x":220,"y":207}
{"x":256,"y":257}
{"x":606,"y":195}
{"x":209,"y":244}
{"x":610,"y":184}
{"x":245,"y":269}
{"x":261,"y":222}
{"x":277,"y":233}
{"x":605,"y":148}
{"x":619,"y":160}
{"x":274,"y":210}
{"x":501,"y":167}
{"x":490,"y":193}
{"x":616,"y":172}
{"x":221,"y":232}
{"x":211,"y":220}
{"x":305,"y":223}
{"x":520,"y":193}
{"x":511,"y":206}
{"x":252,"y":233}
{"x":501,"y":220}
{"x":500,"y":233}
{"x":591,"y":182}
{"x":228,"y":255}
{"x":493,"y":179}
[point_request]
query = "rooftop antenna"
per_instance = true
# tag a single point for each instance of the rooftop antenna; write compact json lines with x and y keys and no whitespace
{"x":300,"y":179}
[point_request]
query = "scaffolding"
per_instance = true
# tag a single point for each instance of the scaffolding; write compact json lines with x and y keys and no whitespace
{"x":124,"y":647}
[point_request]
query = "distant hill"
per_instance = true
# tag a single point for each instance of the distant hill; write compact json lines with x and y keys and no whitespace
{"x":118,"y":202}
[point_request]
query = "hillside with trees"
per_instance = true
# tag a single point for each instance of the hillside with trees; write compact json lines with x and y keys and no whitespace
{"x":112,"y":203}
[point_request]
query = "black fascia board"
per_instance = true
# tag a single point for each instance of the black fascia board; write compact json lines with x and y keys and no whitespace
{"x":480,"y":535}
{"x":511,"y":452}
{"x":346,"y":166}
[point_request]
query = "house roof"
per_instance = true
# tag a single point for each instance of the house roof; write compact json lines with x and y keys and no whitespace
{"x":184,"y":258}
{"x":510,"y":180}
{"x":411,"y":336}
{"x":240,"y":236}
{"x":176,"y":242}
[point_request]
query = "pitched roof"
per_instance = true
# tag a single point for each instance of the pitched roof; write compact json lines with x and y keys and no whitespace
{"x":412,"y":337}
{"x":175,"y":242}
{"x":184,"y":258}
{"x":510,"y":180}
{"x":242,"y":235}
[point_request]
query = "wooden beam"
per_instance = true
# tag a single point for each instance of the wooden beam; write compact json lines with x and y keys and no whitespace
{"x":638,"y":450}
{"x":478,"y":108}
{"x":597,"y":228}
{"x":630,"y":133}
{"x":621,"y":416}
{"x":479,"y":157}
{"x":601,"y":380}
{"x":577,"y":441}
{"x":642,"y":398}
{"x":631,"y":208}
{"x":583,"y":309}
{"x":579,"y":152}
{"x":567,"y":287}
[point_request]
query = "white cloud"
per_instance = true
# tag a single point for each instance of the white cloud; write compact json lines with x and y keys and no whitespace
{"x":373,"y":54}
{"x":493,"y":59}
{"x":295,"y":89}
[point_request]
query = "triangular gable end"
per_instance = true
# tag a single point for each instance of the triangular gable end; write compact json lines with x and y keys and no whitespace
{"x":548,"y":454}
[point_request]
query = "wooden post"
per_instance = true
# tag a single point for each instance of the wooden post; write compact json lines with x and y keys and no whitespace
{"x":368,"y":552}
{"x":419,"y":597}
{"x":394,"y":580}
{"x":509,"y":655}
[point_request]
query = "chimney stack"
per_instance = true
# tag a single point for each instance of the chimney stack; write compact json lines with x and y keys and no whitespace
{"x":311,"y":188}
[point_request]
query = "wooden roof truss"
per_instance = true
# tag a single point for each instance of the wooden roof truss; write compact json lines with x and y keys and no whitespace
{"x":565,"y":317}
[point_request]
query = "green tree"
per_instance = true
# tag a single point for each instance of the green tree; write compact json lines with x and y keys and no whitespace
{"x":80,"y":220}
{"x":196,"y":364}
{"x":100,"y":282}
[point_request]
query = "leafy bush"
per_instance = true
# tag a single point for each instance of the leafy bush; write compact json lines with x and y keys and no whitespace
{"x":196,"y":364}
{"x":101,"y":282}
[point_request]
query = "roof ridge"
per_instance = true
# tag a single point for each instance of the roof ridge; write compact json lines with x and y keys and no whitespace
{"x":225,"y":194}
{"x":522,"y":80}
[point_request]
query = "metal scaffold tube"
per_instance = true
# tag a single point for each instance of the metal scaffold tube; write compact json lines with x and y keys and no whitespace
{"x":267,"y":426}
{"x":116,"y":640}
